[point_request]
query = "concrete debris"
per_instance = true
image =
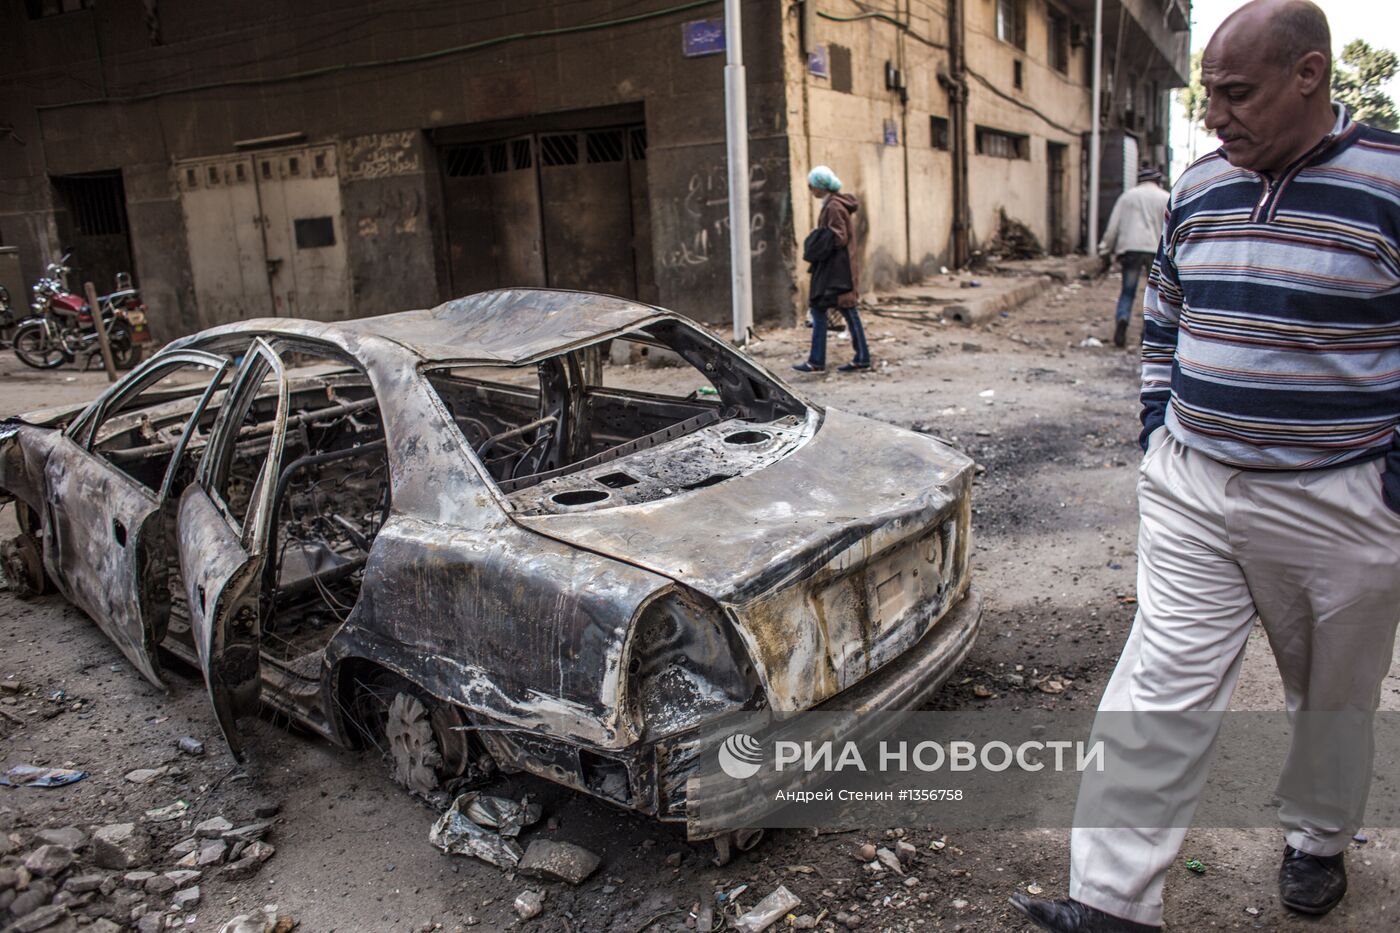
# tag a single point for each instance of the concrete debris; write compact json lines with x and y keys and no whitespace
{"x":150,"y":923}
{"x":768,"y":911}
{"x":456,"y":834}
{"x":183,"y":847}
{"x":186,"y":899}
{"x":53,"y":918}
{"x":81,"y":884}
{"x":137,"y":879}
{"x":166,"y":814}
{"x":259,"y":851}
{"x":36,"y":895}
{"x":212,"y":828}
{"x":120,"y":846}
{"x":558,"y":861}
{"x":247,"y":833}
{"x":211,"y":854}
{"x":49,"y":860}
{"x":146,"y":775}
{"x":889,"y":860}
{"x":529,"y":904}
{"x":182,"y":877}
{"x":159,"y":886}
{"x":266,"y":920}
{"x":70,"y":836}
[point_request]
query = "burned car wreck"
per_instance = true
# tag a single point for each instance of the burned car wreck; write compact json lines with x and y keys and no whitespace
{"x":453,"y":537}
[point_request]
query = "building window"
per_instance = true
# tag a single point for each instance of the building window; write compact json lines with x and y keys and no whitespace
{"x":39,"y":9}
{"x":95,"y":201}
{"x":559,"y":150}
{"x":938,"y":135}
{"x":1002,"y":145}
{"x":1018,"y":75}
{"x":1011,"y":22}
{"x":1059,"y":41}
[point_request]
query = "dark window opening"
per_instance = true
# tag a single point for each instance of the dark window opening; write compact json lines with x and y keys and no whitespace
{"x":293,"y":166}
{"x":1018,"y":74}
{"x":213,"y":173}
{"x":466,"y":161}
{"x":605,"y":146}
{"x":638,"y":138}
{"x":559,"y":150}
{"x":320,"y":161}
{"x":191,"y":178}
{"x":1059,"y":41}
{"x":1001,"y":144}
{"x":500,"y":159}
{"x":41,"y":9}
{"x":267,"y":169}
{"x":520,"y":154}
{"x":1011,"y":22}
{"x":938,"y":135}
{"x":96,"y":202}
{"x":314,"y":232}
{"x":240,"y":172}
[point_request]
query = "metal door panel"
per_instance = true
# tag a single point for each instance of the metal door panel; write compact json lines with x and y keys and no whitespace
{"x":587,"y":216}
{"x":308,"y":277}
{"x":224,"y":239}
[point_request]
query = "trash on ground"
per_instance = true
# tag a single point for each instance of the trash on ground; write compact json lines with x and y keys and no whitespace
{"x":190,"y":745}
{"x":455,"y":834}
{"x":529,"y":904}
{"x":167,"y":813}
{"x":1196,"y":865}
{"x":32,"y":776}
{"x":768,"y":911}
{"x":502,"y":814}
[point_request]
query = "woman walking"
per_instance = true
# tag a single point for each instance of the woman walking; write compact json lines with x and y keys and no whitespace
{"x":831,"y":250}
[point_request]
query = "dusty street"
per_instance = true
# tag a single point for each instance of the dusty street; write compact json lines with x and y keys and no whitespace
{"x":1053,"y":422}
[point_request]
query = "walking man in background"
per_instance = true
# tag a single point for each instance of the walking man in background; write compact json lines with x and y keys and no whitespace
{"x":1133,"y":230}
{"x":1270,"y":487}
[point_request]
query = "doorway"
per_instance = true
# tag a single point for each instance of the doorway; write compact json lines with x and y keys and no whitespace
{"x":555,"y":202}
{"x":90,"y":214}
{"x":1056,"y":239}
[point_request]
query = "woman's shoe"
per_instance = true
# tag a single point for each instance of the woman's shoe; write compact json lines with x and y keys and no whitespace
{"x":808,"y":368}
{"x":853,"y":368}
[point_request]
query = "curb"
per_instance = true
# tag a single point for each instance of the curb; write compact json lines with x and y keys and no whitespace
{"x":979,"y":309}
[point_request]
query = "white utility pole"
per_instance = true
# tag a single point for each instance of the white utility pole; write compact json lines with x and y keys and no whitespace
{"x":1095,"y":142}
{"x":736,"y":128}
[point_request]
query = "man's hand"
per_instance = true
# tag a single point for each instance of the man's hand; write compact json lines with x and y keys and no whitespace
{"x":1105,"y":263}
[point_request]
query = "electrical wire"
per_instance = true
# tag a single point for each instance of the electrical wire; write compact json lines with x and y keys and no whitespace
{"x":884,"y":17}
{"x":403,"y":60}
{"x":1022,"y":104}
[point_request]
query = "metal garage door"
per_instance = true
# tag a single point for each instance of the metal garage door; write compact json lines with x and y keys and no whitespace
{"x":565,"y":209}
{"x":265,"y":235}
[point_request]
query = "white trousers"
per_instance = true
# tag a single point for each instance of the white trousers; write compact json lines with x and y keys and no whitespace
{"x":1315,"y":556}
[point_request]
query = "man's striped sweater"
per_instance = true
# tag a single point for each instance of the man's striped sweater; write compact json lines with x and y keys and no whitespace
{"x":1272,"y":334}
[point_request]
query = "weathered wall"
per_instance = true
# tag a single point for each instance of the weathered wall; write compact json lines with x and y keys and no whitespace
{"x":378,"y":116}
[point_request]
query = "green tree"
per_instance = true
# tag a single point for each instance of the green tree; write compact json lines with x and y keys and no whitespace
{"x":1193,"y":96}
{"x":1356,"y":81}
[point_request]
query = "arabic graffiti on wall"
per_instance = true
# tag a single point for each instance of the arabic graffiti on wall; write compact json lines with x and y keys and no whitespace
{"x":380,"y":155}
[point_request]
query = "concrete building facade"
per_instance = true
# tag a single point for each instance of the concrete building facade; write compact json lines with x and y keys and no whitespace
{"x":338,"y":158}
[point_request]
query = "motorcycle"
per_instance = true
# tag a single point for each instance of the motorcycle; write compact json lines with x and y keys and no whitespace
{"x":61,"y":327}
{"x":8,"y":319}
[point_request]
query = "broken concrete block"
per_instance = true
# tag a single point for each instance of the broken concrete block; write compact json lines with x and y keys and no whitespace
{"x":137,"y":879}
{"x":150,"y":923}
{"x":37,"y":895}
{"x":188,"y":860}
{"x":70,"y":836}
{"x":240,"y":870}
{"x":49,"y":860}
{"x":529,"y":904}
{"x":262,"y":851}
{"x":186,"y":899}
{"x":146,"y":775}
{"x":103,"y":925}
{"x":906,"y":851}
{"x":120,"y":846}
{"x":558,"y":861}
{"x":159,"y":886}
{"x":212,"y":828}
{"x":247,"y":833}
{"x":183,"y":847}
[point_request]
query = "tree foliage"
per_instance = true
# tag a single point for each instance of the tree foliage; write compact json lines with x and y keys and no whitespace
{"x":1357,"y":80}
{"x":1193,"y":96}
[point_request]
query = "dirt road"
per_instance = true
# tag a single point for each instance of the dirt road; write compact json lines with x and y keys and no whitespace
{"x":1053,"y":422}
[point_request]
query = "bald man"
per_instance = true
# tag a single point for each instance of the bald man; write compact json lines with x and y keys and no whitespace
{"x":1270,"y":486}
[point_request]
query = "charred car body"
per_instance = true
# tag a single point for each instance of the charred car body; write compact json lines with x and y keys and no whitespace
{"x":454,"y":537}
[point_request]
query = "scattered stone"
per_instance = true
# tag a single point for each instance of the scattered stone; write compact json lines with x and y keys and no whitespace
{"x":165,"y":814}
{"x":906,"y":851}
{"x":189,"y":860}
{"x":247,"y":833}
{"x":529,"y":904}
{"x":959,"y":904}
{"x":80,"y":884}
{"x":137,"y":879}
{"x":888,"y":859}
{"x":673,"y":860}
{"x":768,"y":911}
{"x":159,"y":886}
{"x":186,"y":899}
{"x":9,"y":878}
{"x":49,"y":860}
{"x":190,"y":745}
{"x":70,"y":836}
{"x":558,"y":861}
{"x":241,"y":870}
{"x":911,"y":881}
{"x":1252,"y":911}
{"x":150,"y":923}
{"x":103,"y":925}
{"x":212,"y":828}
{"x":54,"y":917}
{"x":37,"y":895}
{"x":867,"y":853}
{"x":261,"y":851}
{"x":804,"y":922}
{"x":183,"y":847}
{"x":182,"y":877}
{"x":265,"y":920}
{"x":120,"y":846}
{"x":267,"y":810}
{"x":849,"y":921}
{"x":211,"y":854}
{"x":146,"y":775}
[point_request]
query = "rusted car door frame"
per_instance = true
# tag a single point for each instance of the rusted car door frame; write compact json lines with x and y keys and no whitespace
{"x":108,"y":539}
{"x":222,"y":556}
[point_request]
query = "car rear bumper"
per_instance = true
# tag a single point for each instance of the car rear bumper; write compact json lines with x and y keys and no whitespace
{"x":902,"y":685}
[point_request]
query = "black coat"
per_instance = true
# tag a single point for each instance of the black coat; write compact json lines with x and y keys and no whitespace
{"x":830,"y":267}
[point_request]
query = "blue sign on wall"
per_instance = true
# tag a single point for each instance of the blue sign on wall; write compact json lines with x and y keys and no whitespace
{"x":702,"y":37}
{"x":891,"y":133}
{"x":819,"y":62}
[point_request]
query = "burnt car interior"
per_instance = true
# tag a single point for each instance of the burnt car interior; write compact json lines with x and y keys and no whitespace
{"x":532,"y":428}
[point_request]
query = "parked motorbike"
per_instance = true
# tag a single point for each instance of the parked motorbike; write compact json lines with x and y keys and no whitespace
{"x":9,"y":320}
{"x":61,"y":328}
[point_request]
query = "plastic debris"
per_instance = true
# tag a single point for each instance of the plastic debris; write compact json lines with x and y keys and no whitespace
{"x":190,"y":745}
{"x":456,"y":834}
{"x":499,"y":813}
{"x":1033,"y":888}
{"x":768,"y":911}
{"x":32,"y":776}
{"x":165,"y":814}
{"x":1196,"y":865}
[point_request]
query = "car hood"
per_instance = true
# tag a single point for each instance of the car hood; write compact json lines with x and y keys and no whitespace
{"x":768,"y":546}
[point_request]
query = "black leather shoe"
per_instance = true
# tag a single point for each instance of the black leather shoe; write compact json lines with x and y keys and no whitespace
{"x":1120,"y":334}
{"x":1070,"y":916}
{"x":1311,"y":884}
